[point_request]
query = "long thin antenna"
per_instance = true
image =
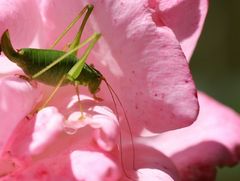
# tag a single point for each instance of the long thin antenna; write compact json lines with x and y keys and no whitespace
{"x":113,"y":93}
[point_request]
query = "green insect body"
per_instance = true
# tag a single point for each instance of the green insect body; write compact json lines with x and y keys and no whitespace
{"x":34,"y":60}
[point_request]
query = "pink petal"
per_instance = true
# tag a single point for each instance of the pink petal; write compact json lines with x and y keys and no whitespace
{"x":155,"y":80}
{"x":50,"y":129}
{"x":69,"y":166}
{"x":93,"y":166}
{"x":22,"y":19}
{"x":148,"y":69}
{"x":106,"y":136}
{"x":37,"y":138}
{"x":37,"y":145}
{"x":6,"y":166}
{"x":102,"y":118}
{"x":184,"y":17}
{"x":17,"y":99}
{"x":213,"y":140}
{"x":40,"y":136}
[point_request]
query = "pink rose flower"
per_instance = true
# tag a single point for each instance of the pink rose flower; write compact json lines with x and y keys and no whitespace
{"x":143,"y":54}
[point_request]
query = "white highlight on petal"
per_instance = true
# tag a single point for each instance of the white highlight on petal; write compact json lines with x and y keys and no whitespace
{"x":48,"y":125}
{"x":152,"y":174}
{"x":93,"y":166}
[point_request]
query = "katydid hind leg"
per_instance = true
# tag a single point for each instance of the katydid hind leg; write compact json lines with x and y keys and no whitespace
{"x":59,"y":84}
{"x":76,"y":40}
{"x":87,"y":9}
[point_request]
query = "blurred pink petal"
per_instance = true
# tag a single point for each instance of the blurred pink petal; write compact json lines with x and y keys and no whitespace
{"x":47,"y":126}
{"x":213,"y":140}
{"x":93,"y":166}
{"x":17,"y":99}
{"x":138,"y":53}
{"x":22,"y":19}
{"x":184,"y":17}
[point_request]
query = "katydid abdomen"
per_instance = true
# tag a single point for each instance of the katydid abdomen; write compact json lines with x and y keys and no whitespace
{"x":34,"y":60}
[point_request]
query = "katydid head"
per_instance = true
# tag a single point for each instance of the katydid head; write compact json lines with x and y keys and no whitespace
{"x":95,"y":81}
{"x":94,"y":85}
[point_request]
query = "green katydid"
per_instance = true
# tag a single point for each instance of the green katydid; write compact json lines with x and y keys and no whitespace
{"x":58,"y":68}
{"x":54,"y":67}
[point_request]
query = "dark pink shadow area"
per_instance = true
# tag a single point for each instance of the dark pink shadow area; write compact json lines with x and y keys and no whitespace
{"x":201,"y":161}
{"x":148,"y":158}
